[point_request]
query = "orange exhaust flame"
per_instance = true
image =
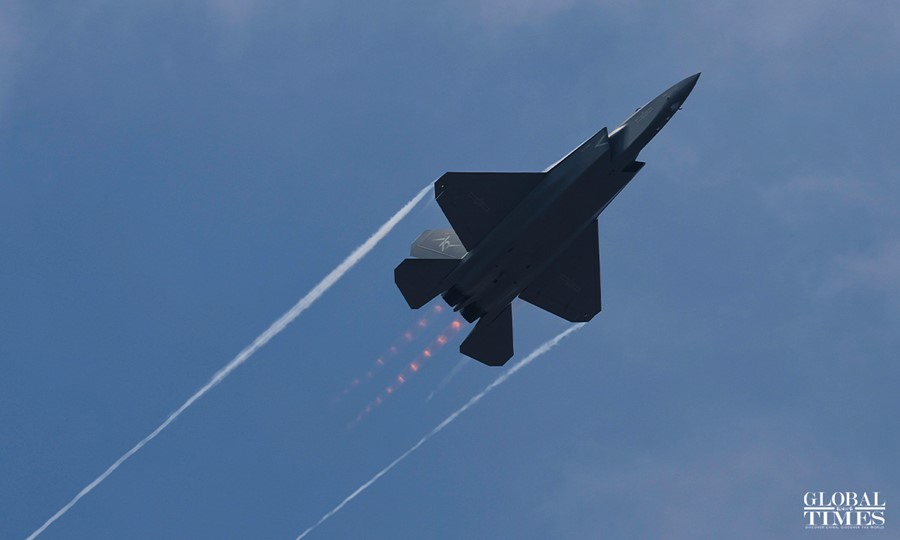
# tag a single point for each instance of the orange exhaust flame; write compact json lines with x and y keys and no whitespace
{"x":408,"y":336}
{"x":412,"y":368}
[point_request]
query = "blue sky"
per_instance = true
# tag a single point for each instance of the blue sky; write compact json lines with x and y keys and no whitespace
{"x":174,"y":176}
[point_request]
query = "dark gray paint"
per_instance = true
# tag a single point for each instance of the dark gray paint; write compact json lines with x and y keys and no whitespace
{"x":532,"y":235}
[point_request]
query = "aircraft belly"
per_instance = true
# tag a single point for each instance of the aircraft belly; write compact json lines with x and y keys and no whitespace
{"x":529,"y":235}
{"x":525,"y":245}
{"x":501,"y":278}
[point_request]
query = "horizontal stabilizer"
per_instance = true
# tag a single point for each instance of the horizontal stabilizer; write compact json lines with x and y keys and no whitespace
{"x":438,"y":244}
{"x":476,"y":202}
{"x":491,"y":341}
{"x":419,"y":280}
{"x":570,"y":287}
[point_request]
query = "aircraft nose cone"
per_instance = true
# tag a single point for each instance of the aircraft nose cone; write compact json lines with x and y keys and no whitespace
{"x":683,"y":88}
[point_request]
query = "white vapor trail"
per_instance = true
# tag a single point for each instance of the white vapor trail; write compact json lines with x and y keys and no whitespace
{"x":475,"y":399}
{"x":244,"y":355}
{"x":446,"y":380}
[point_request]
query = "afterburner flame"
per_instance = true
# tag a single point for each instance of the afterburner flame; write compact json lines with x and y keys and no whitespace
{"x":412,"y":368}
{"x":406,"y":337}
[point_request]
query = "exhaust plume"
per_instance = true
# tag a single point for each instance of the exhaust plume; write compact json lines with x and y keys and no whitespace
{"x":411,"y":369}
{"x":244,"y":355}
{"x":475,"y":399}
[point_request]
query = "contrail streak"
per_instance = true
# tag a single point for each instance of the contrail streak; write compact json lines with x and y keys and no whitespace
{"x":261,"y":340}
{"x":475,"y":399}
{"x":446,"y":380}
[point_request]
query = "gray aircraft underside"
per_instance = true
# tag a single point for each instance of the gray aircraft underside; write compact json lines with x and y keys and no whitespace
{"x":531,"y":235}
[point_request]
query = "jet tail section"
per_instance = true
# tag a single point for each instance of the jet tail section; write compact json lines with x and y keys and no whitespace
{"x":419,"y":280}
{"x":491,"y":341}
{"x":438,"y":244}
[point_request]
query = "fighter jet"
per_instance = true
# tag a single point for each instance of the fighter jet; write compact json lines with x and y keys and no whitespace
{"x":531,"y":235}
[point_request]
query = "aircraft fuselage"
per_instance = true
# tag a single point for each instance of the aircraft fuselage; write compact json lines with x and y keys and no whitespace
{"x":571,"y":196}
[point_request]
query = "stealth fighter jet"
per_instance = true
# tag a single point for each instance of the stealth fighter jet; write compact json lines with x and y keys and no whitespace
{"x":531,"y":235}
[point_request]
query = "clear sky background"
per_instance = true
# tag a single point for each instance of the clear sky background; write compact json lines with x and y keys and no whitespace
{"x":175,"y":175}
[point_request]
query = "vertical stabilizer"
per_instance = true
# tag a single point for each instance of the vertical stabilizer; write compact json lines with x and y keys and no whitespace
{"x":438,"y":244}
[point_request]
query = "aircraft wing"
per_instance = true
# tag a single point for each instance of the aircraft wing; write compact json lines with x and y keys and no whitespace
{"x":570,"y":287}
{"x":476,"y":202}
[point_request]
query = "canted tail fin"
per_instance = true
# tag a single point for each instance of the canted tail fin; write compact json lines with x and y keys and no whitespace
{"x":438,"y":244}
{"x":420,"y":280}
